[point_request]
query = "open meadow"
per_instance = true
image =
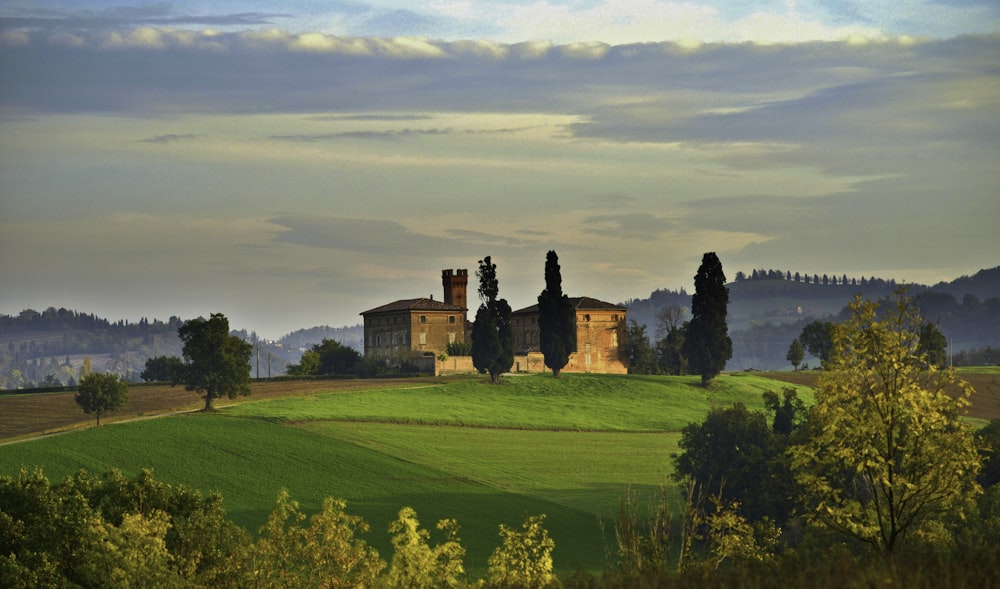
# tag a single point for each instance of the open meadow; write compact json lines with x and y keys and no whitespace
{"x":485,"y":455}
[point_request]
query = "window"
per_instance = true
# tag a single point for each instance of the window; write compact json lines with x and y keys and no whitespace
{"x":423,"y":339}
{"x":423,"y":318}
{"x":451,"y":318}
{"x":451,"y":338}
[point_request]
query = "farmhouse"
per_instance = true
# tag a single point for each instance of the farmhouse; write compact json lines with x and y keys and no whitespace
{"x":416,"y":326}
{"x":599,"y":328}
{"x":424,"y":327}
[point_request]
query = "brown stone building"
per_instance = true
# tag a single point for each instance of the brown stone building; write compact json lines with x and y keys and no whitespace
{"x":599,"y":327}
{"x":417,"y":326}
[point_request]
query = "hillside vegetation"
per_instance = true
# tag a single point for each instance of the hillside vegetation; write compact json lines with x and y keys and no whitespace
{"x":568,"y":448}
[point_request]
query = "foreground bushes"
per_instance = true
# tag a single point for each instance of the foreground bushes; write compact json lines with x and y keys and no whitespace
{"x":115,"y":531}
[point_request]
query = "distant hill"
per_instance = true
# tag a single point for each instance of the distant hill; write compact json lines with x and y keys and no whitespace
{"x":767,"y":310}
{"x":303,"y":339}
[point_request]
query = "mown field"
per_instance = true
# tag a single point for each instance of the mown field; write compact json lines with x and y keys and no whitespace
{"x":485,"y":455}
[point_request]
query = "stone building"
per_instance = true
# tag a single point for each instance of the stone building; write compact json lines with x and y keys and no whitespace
{"x":421,"y":326}
{"x":599,"y":327}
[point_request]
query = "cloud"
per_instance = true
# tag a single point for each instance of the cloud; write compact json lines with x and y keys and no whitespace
{"x":391,"y":135}
{"x":172,"y":137}
{"x":383,"y":237}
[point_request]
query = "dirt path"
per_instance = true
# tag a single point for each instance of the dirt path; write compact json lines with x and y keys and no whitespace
{"x":41,"y":414}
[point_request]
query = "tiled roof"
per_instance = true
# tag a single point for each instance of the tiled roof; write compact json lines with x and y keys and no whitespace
{"x":422,"y":304}
{"x":579,"y":304}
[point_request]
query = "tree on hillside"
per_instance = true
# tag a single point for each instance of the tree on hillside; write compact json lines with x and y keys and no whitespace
{"x":216,"y":364}
{"x":817,"y":338}
{"x":889,"y":456}
{"x":163,"y":369}
{"x":795,"y":354}
{"x":492,"y":333}
{"x":707,"y":346}
{"x":100,"y":393}
{"x":556,"y":318}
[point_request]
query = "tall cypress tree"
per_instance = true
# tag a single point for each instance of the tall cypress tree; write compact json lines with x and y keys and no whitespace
{"x":556,"y":319}
{"x":707,"y":345}
{"x":493,"y":332}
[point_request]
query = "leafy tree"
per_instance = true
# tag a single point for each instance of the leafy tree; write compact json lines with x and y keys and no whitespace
{"x":707,"y":346}
{"x":163,"y":369}
{"x":636,"y":352}
{"x":556,"y":318}
{"x":735,"y":453}
{"x":795,"y":354}
{"x":100,"y":393}
{"x":493,"y":332}
{"x":524,"y":558}
{"x":888,"y":456}
{"x":216,"y":364}
{"x":670,"y":352}
{"x":933,"y":344}
{"x":326,"y":358}
{"x":308,"y":365}
{"x":817,"y":338}
{"x":326,"y":553}
{"x":415,"y":565}
{"x":989,"y":448}
{"x":459,"y":349}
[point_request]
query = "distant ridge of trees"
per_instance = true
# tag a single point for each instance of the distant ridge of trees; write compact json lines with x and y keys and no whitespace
{"x":818,"y":280}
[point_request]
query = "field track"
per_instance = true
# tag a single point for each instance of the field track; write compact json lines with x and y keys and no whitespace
{"x":31,"y":415}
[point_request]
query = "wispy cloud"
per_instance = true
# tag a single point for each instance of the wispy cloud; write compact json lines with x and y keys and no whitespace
{"x":172,"y":137}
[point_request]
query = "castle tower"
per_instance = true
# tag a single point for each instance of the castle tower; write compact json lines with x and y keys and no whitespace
{"x":455,"y":284}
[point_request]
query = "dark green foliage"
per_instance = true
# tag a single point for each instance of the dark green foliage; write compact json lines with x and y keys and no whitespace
{"x":795,"y":354}
{"x":163,"y":369}
{"x":216,"y":364}
{"x":556,"y":319}
{"x":636,"y":352}
{"x":735,"y":454}
{"x":707,"y":346}
{"x":101,"y":392}
{"x":327,"y":358}
{"x":492,"y":333}
{"x":989,"y":451}
{"x":934,"y":344}
{"x":817,"y":337}
{"x":670,"y":352}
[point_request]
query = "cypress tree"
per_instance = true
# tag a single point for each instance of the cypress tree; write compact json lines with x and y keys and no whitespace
{"x":556,"y":319}
{"x":707,"y":345}
{"x":493,"y":332}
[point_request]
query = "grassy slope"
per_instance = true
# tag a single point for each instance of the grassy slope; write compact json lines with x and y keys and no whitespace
{"x":566,"y":448}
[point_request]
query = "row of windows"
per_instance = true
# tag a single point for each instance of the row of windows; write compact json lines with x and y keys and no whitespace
{"x":400,"y":339}
{"x":397,"y":319}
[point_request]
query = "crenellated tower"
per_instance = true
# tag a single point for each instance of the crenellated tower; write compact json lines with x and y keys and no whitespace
{"x":455,"y":284}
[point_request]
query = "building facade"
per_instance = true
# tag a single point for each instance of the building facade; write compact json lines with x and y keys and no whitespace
{"x":420,"y":326}
{"x":599,"y":327}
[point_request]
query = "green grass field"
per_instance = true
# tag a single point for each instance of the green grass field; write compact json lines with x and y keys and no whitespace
{"x":485,"y":455}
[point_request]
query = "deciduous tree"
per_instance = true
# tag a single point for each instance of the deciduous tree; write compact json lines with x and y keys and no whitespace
{"x":492,"y":333}
{"x":556,"y":318}
{"x":817,"y":338}
{"x":795,"y":354}
{"x":163,"y":369}
{"x":888,"y":456}
{"x":707,"y":346}
{"x":216,"y":363}
{"x":100,"y":393}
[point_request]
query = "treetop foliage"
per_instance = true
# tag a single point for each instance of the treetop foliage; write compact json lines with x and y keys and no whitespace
{"x":556,"y":318}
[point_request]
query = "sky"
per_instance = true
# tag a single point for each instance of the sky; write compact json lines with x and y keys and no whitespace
{"x":292,"y":164}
